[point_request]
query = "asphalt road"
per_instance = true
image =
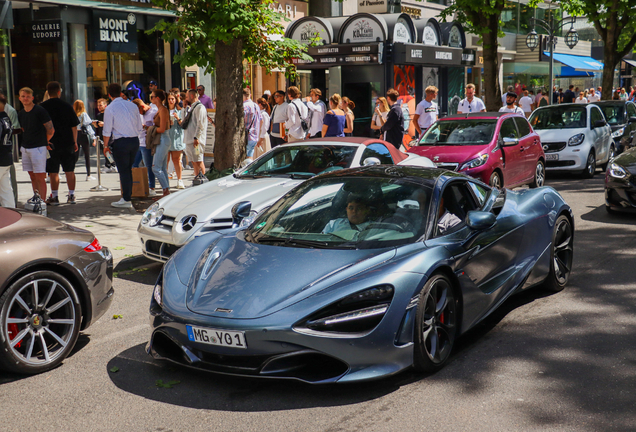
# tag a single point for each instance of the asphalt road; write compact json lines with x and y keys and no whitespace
{"x":562,"y":362}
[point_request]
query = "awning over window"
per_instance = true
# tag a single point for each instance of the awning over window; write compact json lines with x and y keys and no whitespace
{"x":578,"y":63}
{"x":110,"y":6}
{"x":630,"y":62}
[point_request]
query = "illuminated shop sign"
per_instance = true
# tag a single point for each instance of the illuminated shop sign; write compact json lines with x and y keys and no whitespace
{"x":46,"y":31}
{"x":114,"y":31}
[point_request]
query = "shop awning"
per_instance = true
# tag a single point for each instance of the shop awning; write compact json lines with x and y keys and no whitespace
{"x":630,"y":62}
{"x":110,"y":6}
{"x":578,"y":63}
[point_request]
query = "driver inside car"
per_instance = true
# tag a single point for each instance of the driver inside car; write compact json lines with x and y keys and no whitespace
{"x":357,"y":216}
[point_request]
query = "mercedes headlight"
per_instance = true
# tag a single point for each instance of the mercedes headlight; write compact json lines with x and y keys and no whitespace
{"x":617,"y":171}
{"x":618,"y":133}
{"x":474,"y":163}
{"x":248,"y":220}
{"x":150,"y":212}
{"x":576,"y":140}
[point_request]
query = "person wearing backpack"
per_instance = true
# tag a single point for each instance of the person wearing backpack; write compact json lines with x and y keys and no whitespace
{"x":296,"y":116}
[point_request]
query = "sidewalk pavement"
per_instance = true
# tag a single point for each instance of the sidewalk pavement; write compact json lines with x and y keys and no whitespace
{"x":114,"y":228}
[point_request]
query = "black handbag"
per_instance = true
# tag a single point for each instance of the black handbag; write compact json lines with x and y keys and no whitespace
{"x":303,"y":123}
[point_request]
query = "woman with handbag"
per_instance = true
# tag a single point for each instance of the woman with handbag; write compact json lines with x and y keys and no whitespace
{"x":263,"y":144}
{"x":379,"y":115}
{"x":176,"y":136}
{"x":85,"y":136}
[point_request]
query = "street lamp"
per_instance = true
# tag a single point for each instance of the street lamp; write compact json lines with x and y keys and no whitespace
{"x":551,"y":28}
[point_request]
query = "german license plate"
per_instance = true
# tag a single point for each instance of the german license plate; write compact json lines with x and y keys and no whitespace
{"x":552,"y":156}
{"x":226,"y":338}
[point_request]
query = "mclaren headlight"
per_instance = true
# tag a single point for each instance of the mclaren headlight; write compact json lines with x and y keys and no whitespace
{"x":152,"y":215}
{"x":618,"y":133}
{"x":157,"y":292}
{"x":474,"y":163}
{"x":357,"y":313}
{"x":576,"y":140}
{"x":617,"y":171}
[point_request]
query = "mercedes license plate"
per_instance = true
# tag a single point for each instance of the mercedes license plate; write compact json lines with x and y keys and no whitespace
{"x":226,"y":338}
{"x":552,"y":156}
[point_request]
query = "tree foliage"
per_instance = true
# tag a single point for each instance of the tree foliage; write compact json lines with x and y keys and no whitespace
{"x":617,"y":28}
{"x":218,"y":35}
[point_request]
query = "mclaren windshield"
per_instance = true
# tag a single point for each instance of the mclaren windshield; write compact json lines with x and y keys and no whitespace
{"x":301,"y":161}
{"x":469,"y":131}
{"x":559,"y":117}
{"x":346,"y":213}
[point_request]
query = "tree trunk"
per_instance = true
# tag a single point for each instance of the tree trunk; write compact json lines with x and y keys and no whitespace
{"x":491,"y":64}
{"x":230,"y":144}
{"x":610,"y":60}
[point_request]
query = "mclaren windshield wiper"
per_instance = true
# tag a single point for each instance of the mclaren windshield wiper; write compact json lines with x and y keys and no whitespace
{"x":296,"y":176}
{"x":252,"y":176}
{"x":290,"y":241}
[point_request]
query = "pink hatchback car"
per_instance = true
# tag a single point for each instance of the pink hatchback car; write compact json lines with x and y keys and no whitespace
{"x":500,"y":149}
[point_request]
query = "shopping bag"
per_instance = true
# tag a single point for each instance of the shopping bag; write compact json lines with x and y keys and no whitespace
{"x":140,"y":182}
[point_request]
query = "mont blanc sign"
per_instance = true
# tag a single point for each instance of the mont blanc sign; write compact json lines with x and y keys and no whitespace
{"x":114,"y":32}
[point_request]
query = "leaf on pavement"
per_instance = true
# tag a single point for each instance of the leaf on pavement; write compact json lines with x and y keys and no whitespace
{"x":119,"y":247}
{"x":114,"y":369}
{"x":169,"y":384}
{"x":118,"y":317}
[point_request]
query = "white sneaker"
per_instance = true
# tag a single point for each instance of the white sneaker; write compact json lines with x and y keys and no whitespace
{"x":105,"y":170}
{"x":113,"y":169}
{"x":122,"y":203}
{"x":152,"y":193}
{"x":89,"y":178}
{"x":180,"y":185}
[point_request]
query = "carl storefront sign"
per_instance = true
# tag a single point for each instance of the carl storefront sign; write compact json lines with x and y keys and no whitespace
{"x":114,"y":32}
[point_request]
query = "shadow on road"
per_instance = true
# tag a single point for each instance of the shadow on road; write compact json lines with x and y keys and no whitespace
{"x":600,"y":214}
{"x":138,"y":374}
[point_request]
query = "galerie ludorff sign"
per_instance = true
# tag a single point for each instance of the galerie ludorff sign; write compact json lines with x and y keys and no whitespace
{"x":114,"y":32}
{"x":46,"y":31}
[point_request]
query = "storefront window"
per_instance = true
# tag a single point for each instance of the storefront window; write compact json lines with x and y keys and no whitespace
{"x":510,"y":17}
{"x":35,"y":66}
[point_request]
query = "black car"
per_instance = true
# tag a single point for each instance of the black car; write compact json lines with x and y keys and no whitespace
{"x":620,"y":182}
{"x":621,"y":116}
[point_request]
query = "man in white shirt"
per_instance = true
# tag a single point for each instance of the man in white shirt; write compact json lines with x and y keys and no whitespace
{"x":123,"y":122}
{"x":196,"y":130}
{"x":426,"y":112}
{"x":526,"y":104}
{"x":278,"y":119}
{"x":471,"y":103}
{"x":510,"y":106}
{"x":317,"y":110}
{"x":296,"y":112}
{"x":592,"y":96}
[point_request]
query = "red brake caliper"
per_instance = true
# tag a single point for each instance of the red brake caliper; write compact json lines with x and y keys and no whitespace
{"x":13,"y":332}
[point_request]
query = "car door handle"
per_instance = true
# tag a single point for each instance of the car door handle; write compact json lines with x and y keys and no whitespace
{"x":522,"y":149}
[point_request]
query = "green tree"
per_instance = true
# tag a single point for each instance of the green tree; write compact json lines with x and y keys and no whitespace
{"x":218,"y":35}
{"x":617,"y":29}
{"x":483,"y":18}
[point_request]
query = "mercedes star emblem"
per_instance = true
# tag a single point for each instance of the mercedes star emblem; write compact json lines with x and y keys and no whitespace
{"x":188,"y":222}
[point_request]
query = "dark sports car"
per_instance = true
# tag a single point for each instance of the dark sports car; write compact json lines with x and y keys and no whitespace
{"x":620,"y":182}
{"x":55,"y":280}
{"x":357,"y":274}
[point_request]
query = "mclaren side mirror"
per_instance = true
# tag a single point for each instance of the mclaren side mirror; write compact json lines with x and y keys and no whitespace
{"x":240,"y":211}
{"x":509,"y":142}
{"x":479,"y":220}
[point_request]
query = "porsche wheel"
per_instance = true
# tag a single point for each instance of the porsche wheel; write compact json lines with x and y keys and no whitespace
{"x":436,"y":324}
{"x":40,"y":319}
{"x":539,"y":175}
{"x":561,"y":254}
